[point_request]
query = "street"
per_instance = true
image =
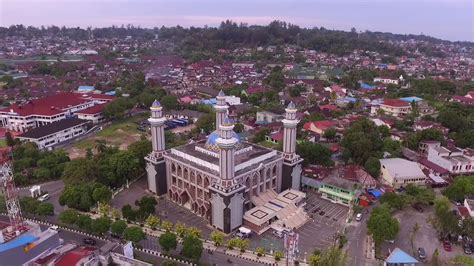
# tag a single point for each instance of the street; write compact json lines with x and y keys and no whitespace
{"x":54,"y":188}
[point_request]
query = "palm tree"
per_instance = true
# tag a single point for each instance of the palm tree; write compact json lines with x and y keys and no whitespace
{"x":100,"y":145}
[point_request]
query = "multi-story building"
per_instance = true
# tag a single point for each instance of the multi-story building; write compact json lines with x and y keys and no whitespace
{"x":222,"y":177}
{"x":455,"y":160}
{"x":393,"y":107}
{"x":386,"y":80}
{"x":339,"y":190}
{"x":40,"y":112}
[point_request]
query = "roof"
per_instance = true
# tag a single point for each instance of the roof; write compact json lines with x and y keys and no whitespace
{"x":436,"y":168}
{"x":47,"y":106}
{"x":401,"y":257}
{"x":401,"y":168}
{"x":21,"y":240}
{"x":411,"y":99}
{"x":463,"y":99}
{"x":52,"y":128}
{"x":96,"y":109}
{"x":74,"y":256}
{"x":395,"y":103}
{"x":86,"y":88}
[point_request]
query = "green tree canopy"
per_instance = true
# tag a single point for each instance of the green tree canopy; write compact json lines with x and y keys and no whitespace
{"x":118,"y":227}
{"x":314,"y":153}
{"x":69,"y":216}
{"x":362,"y":141}
{"x":134,"y":234}
{"x":192,"y":247}
{"x":168,"y":241}
{"x":461,"y":188}
{"x":381,"y":225}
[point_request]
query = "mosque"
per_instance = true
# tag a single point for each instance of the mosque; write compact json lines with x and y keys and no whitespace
{"x":228,"y":181}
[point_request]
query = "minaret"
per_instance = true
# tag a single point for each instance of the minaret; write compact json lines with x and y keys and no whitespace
{"x":226,"y":143}
{"x":289,"y":131}
{"x":221,"y":109}
{"x":227,"y":200}
{"x":292,"y":162}
{"x":155,"y":167}
{"x":157,"y":124}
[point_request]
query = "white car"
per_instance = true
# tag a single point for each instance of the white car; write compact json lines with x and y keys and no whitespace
{"x":359,"y":217}
{"x":45,"y":197}
{"x":54,"y":228}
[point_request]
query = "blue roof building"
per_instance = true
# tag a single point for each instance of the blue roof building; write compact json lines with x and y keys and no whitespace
{"x":366,"y":86}
{"x":411,"y":99}
{"x":399,"y":257}
{"x":86,"y":88}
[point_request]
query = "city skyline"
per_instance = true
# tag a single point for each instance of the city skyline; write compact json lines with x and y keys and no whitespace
{"x":449,"y":20}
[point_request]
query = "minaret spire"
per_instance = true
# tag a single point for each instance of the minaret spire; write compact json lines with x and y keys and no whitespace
{"x":157,"y":122}
{"x":221,"y":109}
{"x":289,"y":131}
{"x":226,"y":143}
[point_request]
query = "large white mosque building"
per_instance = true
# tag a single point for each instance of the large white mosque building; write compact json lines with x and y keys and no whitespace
{"x":228,"y":181}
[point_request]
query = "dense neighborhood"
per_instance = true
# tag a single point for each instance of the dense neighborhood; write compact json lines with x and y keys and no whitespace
{"x":204,"y":150}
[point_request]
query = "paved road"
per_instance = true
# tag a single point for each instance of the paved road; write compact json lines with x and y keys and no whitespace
{"x":54,"y":188}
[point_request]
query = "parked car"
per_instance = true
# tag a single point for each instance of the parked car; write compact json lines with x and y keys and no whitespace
{"x":321,"y":213}
{"x":54,"y":228}
{"x":467,"y":249}
{"x":45,"y":197}
{"x":421,"y":253}
{"x":418,"y":208}
{"x":89,"y":241}
{"x":447,"y":246}
{"x":359,"y":217}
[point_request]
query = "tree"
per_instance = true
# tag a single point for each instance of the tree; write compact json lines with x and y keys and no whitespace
{"x":80,"y":170}
{"x":101,"y":194}
{"x":435,"y":258}
{"x":278,"y":255}
{"x":168,"y":241}
{"x":330,"y":133}
{"x":101,"y":225}
{"x":193,"y":231}
{"x":118,"y":227}
{"x":169,"y":263}
{"x":362,"y":141}
{"x":314,"y":153}
{"x":29,"y":205}
{"x":9,"y":139}
{"x":103,"y":208}
{"x":128,"y":213}
{"x":217,"y":237}
{"x":134,"y":234}
{"x":243,"y":244}
{"x":330,"y":256}
{"x":121,"y":166}
{"x":180,"y":229}
{"x":204,"y":124}
{"x":169,"y":102}
{"x":152,"y":221}
{"x":232,"y":243}
{"x":260,"y":251}
{"x":84,"y":222}
{"x":393,"y":200}
{"x":238,"y":128}
{"x":192,"y":247}
{"x":381,"y":225}
{"x":45,"y":208}
{"x":445,"y":220}
{"x":167,"y":226}
{"x":372,"y":166}
{"x":260,"y":135}
{"x":140,"y":149}
{"x":68,"y":216}
{"x":462,"y":187}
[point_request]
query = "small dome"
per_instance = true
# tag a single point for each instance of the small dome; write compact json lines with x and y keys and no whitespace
{"x":156,"y":103}
{"x":221,"y":94}
{"x":228,"y":121}
{"x":291,"y":105}
{"x":212,"y":138}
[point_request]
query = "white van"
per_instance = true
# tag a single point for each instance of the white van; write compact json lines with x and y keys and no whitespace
{"x":244,"y":232}
{"x":359,"y":217}
{"x":45,"y":197}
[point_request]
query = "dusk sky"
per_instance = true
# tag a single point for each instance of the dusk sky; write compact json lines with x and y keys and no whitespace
{"x":445,"y":19}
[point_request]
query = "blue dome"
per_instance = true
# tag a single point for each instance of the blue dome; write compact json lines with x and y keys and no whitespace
{"x":212,"y":138}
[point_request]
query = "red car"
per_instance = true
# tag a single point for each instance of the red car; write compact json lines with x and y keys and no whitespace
{"x":447,"y":246}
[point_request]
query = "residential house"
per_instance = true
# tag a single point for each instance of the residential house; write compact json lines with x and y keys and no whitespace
{"x":339,"y":190}
{"x":399,"y":257}
{"x":455,"y":160}
{"x":266,"y":117}
{"x":398,"y":172}
{"x":386,"y":80}
{"x":319,"y":127}
{"x":469,"y":205}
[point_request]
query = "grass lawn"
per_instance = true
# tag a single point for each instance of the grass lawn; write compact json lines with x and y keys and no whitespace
{"x":118,"y":133}
{"x":269,"y":144}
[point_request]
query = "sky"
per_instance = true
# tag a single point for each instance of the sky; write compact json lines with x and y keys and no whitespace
{"x":445,"y":19}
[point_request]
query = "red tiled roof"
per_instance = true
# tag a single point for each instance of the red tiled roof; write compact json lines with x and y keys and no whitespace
{"x":93,"y":110}
{"x":395,"y":103}
{"x":254,"y":90}
{"x":463,"y":211}
{"x":433,"y":166}
{"x":48,"y":106}
{"x":74,"y":256}
{"x":463,"y":99}
{"x":330,"y":107}
{"x":278,"y":136}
